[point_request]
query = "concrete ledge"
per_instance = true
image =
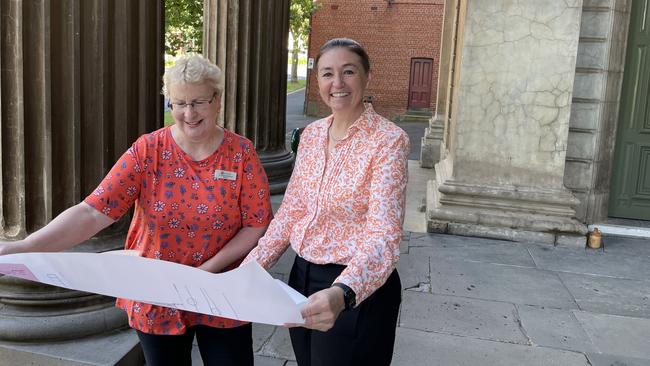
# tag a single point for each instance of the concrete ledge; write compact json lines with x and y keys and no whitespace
{"x":503,"y":233}
{"x":620,"y":230}
{"x":121,"y":348}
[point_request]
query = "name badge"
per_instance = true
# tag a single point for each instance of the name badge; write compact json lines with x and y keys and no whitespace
{"x":223,"y":174}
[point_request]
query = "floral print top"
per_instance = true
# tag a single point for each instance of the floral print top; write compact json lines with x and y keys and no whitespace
{"x":348,"y":210}
{"x":185,"y":211}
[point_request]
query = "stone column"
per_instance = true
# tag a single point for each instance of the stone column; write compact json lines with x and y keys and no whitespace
{"x":80,"y":80}
{"x":433,"y":135}
{"x":596,"y":106}
{"x":503,"y":173}
{"x":248,"y":40}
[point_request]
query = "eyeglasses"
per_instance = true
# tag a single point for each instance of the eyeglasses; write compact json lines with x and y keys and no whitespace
{"x":197,"y":105}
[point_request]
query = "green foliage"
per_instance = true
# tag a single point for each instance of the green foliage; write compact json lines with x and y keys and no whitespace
{"x":183,"y":26}
{"x":299,"y":21}
{"x":300,"y":14}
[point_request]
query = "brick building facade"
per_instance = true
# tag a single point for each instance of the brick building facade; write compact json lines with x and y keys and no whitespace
{"x":393,"y":32}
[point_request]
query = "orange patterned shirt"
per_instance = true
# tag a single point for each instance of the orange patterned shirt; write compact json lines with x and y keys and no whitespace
{"x":348,"y":210}
{"x":184,"y":211}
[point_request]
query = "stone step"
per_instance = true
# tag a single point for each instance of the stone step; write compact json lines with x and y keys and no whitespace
{"x":416,"y":115}
{"x":414,"y":118}
{"x":420,"y":112}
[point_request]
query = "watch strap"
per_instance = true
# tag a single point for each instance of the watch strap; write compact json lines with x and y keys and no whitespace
{"x":349,"y":296}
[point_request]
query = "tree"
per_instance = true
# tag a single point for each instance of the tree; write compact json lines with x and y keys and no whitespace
{"x":183,"y":26}
{"x":299,"y":18}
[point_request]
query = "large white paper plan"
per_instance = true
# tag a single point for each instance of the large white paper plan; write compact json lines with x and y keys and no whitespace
{"x":247,"y":293}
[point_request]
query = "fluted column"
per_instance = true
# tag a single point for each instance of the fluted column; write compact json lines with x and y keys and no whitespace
{"x":80,"y":81}
{"x":248,"y":40}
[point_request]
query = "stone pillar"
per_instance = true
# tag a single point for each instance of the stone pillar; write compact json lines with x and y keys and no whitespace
{"x":433,"y":135}
{"x":80,"y":80}
{"x":248,"y":40}
{"x":503,"y":173}
{"x":596,"y":106}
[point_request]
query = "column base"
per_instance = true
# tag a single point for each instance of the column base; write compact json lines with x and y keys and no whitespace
{"x":59,"y":319}
{"x":35,"y":312}
{"x":522,"y":214}
{"x":119,"y":347}
{"x":278,"y":166}
{"x":429,"y":152}
{"x":431,"y":142}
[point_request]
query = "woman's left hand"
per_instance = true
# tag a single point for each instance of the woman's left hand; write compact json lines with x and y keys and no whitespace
{"x":322,"y":309}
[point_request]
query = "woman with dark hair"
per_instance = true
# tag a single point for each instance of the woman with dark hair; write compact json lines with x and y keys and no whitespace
{"x":342,"y":214}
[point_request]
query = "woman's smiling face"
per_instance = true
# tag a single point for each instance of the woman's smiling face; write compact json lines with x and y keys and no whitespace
{"x":342,"y":80}
{"x":195,"y":108}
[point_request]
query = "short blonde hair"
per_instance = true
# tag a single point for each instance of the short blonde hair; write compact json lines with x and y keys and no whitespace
{"x":193,"y":69}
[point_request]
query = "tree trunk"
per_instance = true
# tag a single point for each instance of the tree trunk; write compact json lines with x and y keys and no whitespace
{"x":294,"y":61}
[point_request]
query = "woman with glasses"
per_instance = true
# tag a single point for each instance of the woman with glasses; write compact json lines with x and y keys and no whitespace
{"x":342,"y":214}
{"x":201,"y":199}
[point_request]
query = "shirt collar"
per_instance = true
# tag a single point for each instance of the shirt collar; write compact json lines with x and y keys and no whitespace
{"x":365,"y":122}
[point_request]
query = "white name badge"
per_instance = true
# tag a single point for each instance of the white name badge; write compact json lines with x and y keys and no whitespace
{"x":223,"y":174}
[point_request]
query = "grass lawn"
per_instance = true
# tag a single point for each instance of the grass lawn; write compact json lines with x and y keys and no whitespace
{"x":168,"y":118}
{"x":295,"y":86}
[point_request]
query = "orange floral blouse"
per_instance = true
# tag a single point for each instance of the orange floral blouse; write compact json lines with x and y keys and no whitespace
{"x":185,"y":211}
{"x":348,"y":210}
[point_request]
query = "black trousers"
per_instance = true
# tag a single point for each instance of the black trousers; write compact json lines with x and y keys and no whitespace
{"x":218,"y":346}
{"x":364,"y":335}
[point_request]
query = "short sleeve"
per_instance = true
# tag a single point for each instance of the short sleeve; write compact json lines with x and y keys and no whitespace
{"x":255,"y":200}
{"x":120,"y":187}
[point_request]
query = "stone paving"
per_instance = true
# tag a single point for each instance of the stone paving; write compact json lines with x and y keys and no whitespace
{"x":473,"y":301}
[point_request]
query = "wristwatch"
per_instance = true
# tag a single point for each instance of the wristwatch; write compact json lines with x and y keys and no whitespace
{"x":349,"y":297}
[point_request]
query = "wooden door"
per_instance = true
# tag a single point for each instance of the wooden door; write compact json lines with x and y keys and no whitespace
{"x":420,"y":83}
{"x":630,"y":191}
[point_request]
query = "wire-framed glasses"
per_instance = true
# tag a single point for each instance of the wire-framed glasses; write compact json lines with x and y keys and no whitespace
{"x":197,"y":105}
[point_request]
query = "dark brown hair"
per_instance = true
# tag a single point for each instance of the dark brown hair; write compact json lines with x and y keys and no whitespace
{"x":349,"y":44}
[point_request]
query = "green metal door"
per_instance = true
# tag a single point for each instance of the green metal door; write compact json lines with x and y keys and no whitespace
{"x":630,"y":191}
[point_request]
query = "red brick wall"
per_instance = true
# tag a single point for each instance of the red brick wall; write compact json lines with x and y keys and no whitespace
{"x":392,"y":34}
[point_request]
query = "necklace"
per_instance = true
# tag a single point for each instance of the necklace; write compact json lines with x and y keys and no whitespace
{"x":332,"y":136}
